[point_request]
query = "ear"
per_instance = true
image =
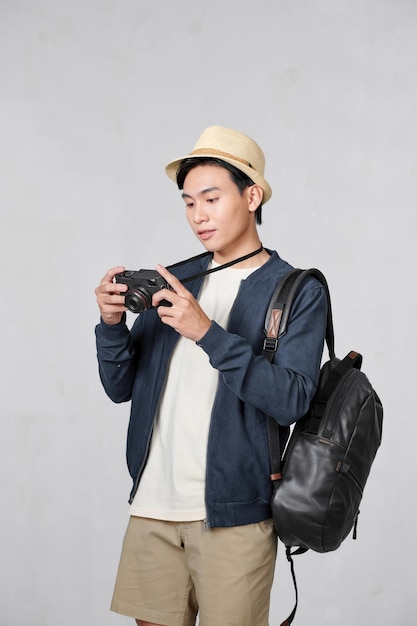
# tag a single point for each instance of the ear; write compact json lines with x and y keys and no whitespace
{"x":255,"y":196}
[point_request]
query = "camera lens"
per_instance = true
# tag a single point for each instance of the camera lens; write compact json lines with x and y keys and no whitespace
{"x":137,"y":300}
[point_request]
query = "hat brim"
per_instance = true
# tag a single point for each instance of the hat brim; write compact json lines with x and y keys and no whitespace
{"x":172,"y":167}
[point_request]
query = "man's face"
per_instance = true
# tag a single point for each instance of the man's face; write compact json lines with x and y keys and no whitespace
{"x":221,"y":218}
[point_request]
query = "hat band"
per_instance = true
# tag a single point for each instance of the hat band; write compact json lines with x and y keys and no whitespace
{"x":221,"y":154}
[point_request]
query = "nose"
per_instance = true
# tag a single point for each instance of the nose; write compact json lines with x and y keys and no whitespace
{"x":199,"y":214}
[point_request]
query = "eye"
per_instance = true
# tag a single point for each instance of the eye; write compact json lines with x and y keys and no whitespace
{"x":212,"y":200}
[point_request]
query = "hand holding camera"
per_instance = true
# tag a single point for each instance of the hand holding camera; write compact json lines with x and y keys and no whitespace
{"x":185,"y":315}
{"x":147,"y":289}
{"x":141,"y":285}
{"x":109,"y":298}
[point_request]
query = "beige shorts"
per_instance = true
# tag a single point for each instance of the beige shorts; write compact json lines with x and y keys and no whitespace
{"x":171,"y":571}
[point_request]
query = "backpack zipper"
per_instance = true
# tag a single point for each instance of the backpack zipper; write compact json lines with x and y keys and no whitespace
{"x":336,"y":403}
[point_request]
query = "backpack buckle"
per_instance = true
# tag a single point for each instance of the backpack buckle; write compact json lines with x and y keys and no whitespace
{"x":270,"y":344}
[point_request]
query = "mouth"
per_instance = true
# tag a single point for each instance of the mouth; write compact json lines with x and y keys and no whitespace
{"x":205,"y":234}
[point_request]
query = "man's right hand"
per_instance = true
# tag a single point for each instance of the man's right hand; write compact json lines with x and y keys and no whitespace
{"x":110,"y":298}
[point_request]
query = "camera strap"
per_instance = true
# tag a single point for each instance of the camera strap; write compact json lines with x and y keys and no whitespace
{"x":213,"y":269}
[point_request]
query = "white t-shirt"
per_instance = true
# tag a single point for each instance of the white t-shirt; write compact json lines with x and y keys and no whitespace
{"x":173,"y":483}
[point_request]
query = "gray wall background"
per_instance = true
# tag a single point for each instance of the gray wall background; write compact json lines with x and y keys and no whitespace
{"x":95,"y":97}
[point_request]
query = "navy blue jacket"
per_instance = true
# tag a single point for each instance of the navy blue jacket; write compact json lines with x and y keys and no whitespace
{"x":133,"y":367}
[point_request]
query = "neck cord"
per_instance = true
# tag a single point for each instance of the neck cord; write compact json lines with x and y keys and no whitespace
{"x":213,"y":269}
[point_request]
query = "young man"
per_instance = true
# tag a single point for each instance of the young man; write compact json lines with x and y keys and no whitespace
{"x":200,"y":539}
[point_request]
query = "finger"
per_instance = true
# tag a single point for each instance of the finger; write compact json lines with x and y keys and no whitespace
{"x":114,"y":299}
{"x":111,"y":273}
{"x":105,"y":299}
{"x":171,"y":279}
{"x":164,"y":294}
{"x":107,"y":289}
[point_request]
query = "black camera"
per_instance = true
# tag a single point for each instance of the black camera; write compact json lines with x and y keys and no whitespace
{"x":142,"y":285}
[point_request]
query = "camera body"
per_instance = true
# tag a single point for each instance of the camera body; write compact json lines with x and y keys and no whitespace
{"x":142,"y":284}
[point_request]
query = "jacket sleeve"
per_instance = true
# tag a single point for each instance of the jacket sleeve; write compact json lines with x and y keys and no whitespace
{"x":115,"y":354}
{"x":282,"y":389}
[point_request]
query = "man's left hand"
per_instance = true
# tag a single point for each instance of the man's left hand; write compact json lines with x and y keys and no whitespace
{"x":185,"y":315}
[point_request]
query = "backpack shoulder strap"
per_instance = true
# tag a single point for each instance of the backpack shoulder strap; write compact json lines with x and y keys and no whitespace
{"x":276,"y":325}
{"x":273,"y":319}
{"x":278,"y":313}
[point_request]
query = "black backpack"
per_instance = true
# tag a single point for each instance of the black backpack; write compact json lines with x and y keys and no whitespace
{"x":318,"y":482}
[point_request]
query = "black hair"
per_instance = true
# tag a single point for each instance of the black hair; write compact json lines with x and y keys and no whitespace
{"x":241,"y":180}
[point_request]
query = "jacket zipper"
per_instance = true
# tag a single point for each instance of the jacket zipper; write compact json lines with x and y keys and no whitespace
{"x":142,"y":467}
{"x":148,"y":443}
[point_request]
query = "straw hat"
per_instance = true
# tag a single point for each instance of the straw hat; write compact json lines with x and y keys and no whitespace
{"x":231,"y":146}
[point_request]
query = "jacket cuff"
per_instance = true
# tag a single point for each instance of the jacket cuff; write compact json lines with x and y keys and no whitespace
{"x":112,"y":331}
{"x":215,"y":341}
